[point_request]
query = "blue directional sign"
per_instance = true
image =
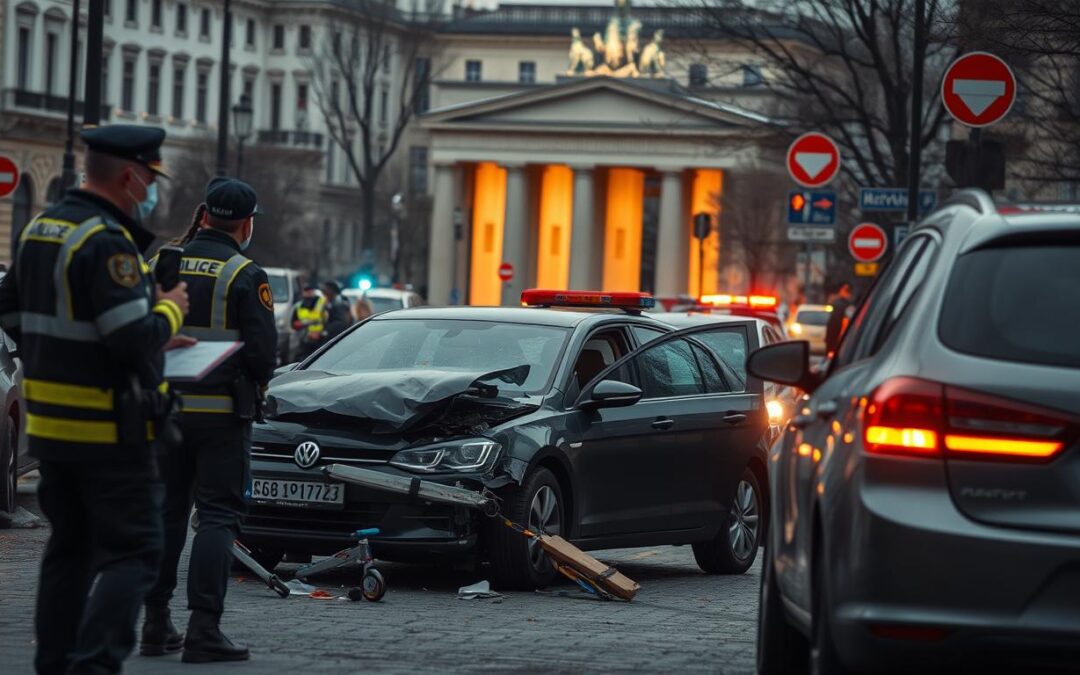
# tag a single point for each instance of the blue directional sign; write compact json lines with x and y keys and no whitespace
{"x":811,"y":207}
{"x":894,"y":199}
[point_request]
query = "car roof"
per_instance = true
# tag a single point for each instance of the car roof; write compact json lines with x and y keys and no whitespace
{"x":992,"y":221}
{"x":697,"y":318}
{"x":383,"y":293}
{"x":814,"y":308}
{"x":567,"y":317}
{"x":283,"y":271}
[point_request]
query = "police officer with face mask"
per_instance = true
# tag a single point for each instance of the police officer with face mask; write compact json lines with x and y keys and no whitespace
{"x":91,"y":327}
{"x":231,"y":301}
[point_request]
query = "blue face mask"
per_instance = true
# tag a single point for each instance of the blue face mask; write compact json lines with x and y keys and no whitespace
{"x":247,"y":242}
{"x":144,"y":208}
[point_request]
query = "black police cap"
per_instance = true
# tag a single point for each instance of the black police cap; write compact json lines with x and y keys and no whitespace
{"x":128,"y":141}
{"x":231,"y":199}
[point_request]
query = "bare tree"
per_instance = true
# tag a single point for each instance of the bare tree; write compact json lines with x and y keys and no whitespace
{"x":365,"y":110}
{"x":752,"y":227}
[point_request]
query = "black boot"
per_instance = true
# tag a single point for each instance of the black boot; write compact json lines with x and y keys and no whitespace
{"x":206,"y":643}
{"x":159,"y":635}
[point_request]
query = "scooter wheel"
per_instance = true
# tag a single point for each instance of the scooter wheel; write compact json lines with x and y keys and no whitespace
{"x":374,"y":585}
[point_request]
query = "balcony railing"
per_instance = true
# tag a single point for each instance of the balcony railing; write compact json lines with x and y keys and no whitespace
{"x":297,"y":139}
{"x":47,"y":103}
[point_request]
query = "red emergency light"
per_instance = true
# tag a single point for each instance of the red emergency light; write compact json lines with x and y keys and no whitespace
{"x":629,"y":301}
{"x":751,"y":301}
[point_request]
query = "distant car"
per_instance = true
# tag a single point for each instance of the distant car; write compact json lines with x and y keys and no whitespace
{"x":809,"y":323}
{"x":597,"y":423}
{"x":926,"y":498}
{"x":385,"y":299}
{"x":285,"y":285}
{"x":14,"y":460}
{"x":762,"y":307}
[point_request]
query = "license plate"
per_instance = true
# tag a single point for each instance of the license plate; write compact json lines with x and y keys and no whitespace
{"x":297,"y":493}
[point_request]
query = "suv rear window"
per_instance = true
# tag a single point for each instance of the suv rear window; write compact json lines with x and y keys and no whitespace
{"x":1016,"y":304}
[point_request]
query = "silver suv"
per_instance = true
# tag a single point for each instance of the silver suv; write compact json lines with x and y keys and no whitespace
{"x":926,"y":499}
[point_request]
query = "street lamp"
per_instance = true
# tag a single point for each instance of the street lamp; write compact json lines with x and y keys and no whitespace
{"x":397,"y":206}
{"x":243,"y":116}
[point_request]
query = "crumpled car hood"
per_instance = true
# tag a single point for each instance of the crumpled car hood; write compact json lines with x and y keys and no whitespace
{"x":394,"y":400}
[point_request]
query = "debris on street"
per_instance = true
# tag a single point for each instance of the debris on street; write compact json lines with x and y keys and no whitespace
{"x":481,"y":590}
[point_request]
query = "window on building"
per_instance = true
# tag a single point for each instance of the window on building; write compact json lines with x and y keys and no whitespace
{"x":249,"y":89}
{"x":279,"y":36}
{"x":181,"y":18}
{"x":473,"y":71}
{"x":249,"y":33}
{"x":155,"y":13}
{"x":418,"y":172}
{"x":50,"y":62}
{"x":275,"y":106}
{"x":386,"y":59}
{"x":105,"y":77}
{"x":204,"y":24}
{"x":202,"y":86}
{"x":131,"y":11}
{"x":80,"y":73}
{"x":305,"y":37}
{"x":107,"y":9}
{"x":24,"y":57}
{"x":127,"y":85}
{"x":699,"y":75}
{"x":527,"y":72}
{"x":384,"y":107}
{"x":301,"y":105}
{"x":178,"y":92}
{"x":423,"y":84}
{"x":330,"y":148}
{"x":153,"y":89}
{"x":751,"y":75}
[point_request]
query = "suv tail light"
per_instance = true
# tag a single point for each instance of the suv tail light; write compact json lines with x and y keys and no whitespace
{"x":915,"y":417}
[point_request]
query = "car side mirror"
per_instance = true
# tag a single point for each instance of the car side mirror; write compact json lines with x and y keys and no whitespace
{"x":286,"y":368}
{"x":612,"y":394}
{"x":785,"y":363}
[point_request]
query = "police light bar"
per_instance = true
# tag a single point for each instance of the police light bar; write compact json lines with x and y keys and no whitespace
{"x":628,"y":301}
{"x":751,"y":301}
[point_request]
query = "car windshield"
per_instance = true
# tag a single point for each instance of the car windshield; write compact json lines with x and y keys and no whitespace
{"x":1015,"y":304}
{"x":480,"y":346}
{"x":812,"y":317}
{"x":379,"y":305}
{"x":279,"y":286}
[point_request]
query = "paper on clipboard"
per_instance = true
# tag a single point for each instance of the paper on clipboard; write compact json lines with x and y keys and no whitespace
{"x":192,"y":364}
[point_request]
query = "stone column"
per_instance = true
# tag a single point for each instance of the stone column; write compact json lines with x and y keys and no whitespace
{"x":673,"y":237}
{"x":515,"y":235}
{"x":584,"y":268}
{"x":37,"y":54}
{"x":442,"y":246}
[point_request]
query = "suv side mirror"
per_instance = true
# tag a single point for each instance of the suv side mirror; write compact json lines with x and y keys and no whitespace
{"x":786,"y":363}
{"x":612,"y":394}
{"x":286,"y":368}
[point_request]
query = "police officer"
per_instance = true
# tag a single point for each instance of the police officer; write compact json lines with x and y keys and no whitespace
{"x":309,"y":317}
{"x":231,"y":300}
{"x":338,"y":313}
{"x":91,"y":328}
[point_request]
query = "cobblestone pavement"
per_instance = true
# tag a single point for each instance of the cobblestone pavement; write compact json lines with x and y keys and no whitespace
{"x":682,"y":621}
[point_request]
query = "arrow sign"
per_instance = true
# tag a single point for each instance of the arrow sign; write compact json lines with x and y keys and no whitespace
{"x":867,"y":242}
{"x":978,"y":89}
{"x":9,"y":176}
{"x":811,"y":207}
{"x":813,"y":159}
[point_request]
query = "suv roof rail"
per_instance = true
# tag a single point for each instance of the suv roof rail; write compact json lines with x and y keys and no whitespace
{"x":973,"y":198}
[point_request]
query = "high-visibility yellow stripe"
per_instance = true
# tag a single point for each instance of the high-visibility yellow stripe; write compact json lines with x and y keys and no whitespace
{"x":171,"y":312}
{"x":207,"y":403}
{"x":73,"y":431}
{"x":67,"y":263}
{"x":163,"y":388}
{"x":70,"y":395}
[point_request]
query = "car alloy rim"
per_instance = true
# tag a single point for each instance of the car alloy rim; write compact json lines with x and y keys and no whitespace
{"x":544,"y":516}
{"x":742,"y":533}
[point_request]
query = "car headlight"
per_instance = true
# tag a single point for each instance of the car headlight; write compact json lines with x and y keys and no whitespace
{"x":796,"y":329}
{"x":776,"y":411}
{"x":470,"y":455}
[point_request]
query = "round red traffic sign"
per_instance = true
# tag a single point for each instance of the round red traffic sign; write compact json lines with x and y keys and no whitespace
{"x":9,"y":176}
{"x":978,"y":89}
{"x":813,"y":159}
{"x":867,"y":242}
{"x":506,"y":271}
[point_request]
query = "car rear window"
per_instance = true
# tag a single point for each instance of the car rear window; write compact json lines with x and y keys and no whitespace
{"x":812,"y":317}
{"x":1015,"y":304}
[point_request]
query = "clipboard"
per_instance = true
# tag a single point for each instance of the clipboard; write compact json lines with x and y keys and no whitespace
{"x":191,"y":364}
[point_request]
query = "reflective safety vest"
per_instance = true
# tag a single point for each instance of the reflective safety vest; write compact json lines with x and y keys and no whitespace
{"x":224,"y":275}
{"x":311,"y":319}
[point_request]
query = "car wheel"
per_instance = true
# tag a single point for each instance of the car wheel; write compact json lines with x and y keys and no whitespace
{"x":781,"y":649}
{"x":9,"y":452}
{"x":823,"y":657}
{"x":734,"y":548}
{"x":517,"y":562}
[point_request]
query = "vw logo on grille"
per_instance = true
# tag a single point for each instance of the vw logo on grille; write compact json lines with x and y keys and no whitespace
{"x":307,"y":453}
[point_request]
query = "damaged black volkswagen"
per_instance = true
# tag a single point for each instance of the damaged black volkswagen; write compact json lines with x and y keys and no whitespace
{"x":582,"y":416}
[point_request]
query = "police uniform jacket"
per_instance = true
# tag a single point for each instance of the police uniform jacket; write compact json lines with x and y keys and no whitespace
{"x":230,"y":299}
{"x":79,"y":302}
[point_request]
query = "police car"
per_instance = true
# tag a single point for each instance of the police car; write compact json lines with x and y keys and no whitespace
{"x":587,"y":418}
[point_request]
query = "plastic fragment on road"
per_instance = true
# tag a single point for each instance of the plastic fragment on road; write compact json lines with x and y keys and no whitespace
{"x":480,"y":590}
{"x":20,"y":519}
{"x":321,"y":595}
{"x":297,"y":587}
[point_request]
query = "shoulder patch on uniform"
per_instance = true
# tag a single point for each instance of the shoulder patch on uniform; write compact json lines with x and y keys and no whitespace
{"x":124,"y":269}
{"x":266,"y":296}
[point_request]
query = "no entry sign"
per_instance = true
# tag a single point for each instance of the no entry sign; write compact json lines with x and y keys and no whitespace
{"x":506,"y":271}
{"x":978,"y":89}
{"x":9,"y":176}
{"x":867,"y":242}
{"x":813,"y":159}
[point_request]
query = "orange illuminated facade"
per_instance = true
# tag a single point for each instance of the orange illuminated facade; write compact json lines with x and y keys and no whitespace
{"x":622,"y":230}
{"x":489,"y":218}
{"x":705,"y":193}
{"x":556,"y":216}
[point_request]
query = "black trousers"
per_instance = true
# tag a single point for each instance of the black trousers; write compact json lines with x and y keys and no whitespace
{"x":101,"y":559}
{"x":212,"y":468}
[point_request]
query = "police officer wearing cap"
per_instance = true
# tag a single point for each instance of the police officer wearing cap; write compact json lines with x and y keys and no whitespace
{"x":91,"y":328}
{"x":231,"y":300}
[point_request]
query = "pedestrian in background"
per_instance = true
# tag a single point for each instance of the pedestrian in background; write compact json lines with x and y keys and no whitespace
{"x":338,"y":313}
{"x":231,"y":300}
{"x":91,"y":328}
{"x":838,"y":318}
{"x":309,"y":317}
{"x":362,"y":309}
